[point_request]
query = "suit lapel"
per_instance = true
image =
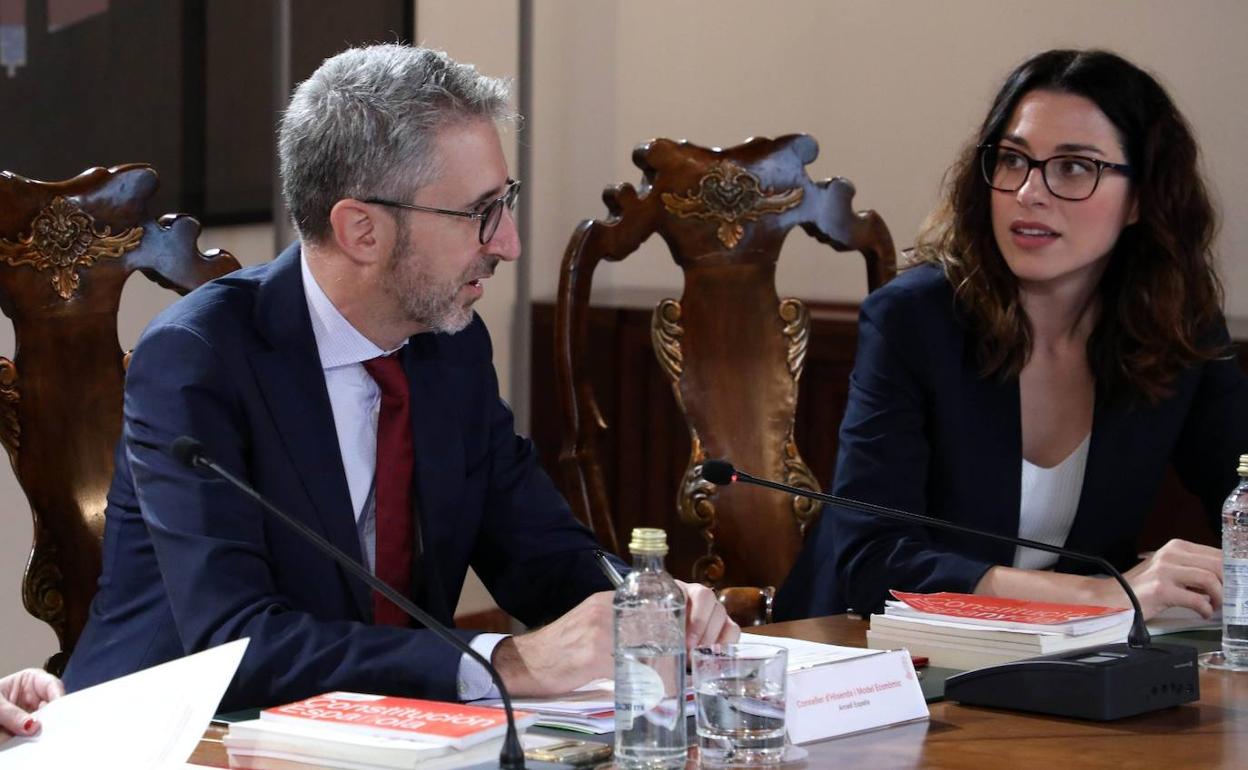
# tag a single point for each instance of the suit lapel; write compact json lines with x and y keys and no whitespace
{"x":439,"y":472}
{"x":997,"y":472}
{"x":293,"y":385}
{"x":1113,"y":426}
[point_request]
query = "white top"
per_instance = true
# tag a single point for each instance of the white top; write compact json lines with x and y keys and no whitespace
{"x":355,"y":400}
{"x":1047,"y":506}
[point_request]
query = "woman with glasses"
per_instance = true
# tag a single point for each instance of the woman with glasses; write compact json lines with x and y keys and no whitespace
{"x":1056,"y":345}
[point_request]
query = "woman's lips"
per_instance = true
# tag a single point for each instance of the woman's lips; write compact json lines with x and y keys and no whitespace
{"x":1032,"y":235}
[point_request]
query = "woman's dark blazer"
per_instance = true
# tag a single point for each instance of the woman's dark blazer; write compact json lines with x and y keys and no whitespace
{"x":925,"y":433}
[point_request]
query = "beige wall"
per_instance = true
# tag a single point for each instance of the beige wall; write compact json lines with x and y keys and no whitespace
{"x":482,"y":32}
{"x":889,"y":88}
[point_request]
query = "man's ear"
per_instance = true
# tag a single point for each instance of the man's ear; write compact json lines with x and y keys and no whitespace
{"x":359,"y":231}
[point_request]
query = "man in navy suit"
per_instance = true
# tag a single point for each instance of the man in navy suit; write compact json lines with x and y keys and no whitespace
{"x":393,"y":171}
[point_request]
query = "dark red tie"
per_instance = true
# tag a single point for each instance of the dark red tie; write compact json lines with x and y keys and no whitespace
{"x":392,"y":495}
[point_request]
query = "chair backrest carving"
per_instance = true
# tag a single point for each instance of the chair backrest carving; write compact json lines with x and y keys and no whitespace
{"x":66,"y":250}
{"x":731,"y":347}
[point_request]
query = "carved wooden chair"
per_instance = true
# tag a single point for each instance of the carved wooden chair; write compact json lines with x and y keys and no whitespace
{"x":731,"y":347}
{"x":66,"y":250}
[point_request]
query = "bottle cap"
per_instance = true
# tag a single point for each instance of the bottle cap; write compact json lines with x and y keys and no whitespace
{"x":1243,"y":465}
{"x":648,"y":540}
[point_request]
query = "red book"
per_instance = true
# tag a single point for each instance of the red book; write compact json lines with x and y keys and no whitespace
{"x":425,"y":721}
{"x":999,"y":612}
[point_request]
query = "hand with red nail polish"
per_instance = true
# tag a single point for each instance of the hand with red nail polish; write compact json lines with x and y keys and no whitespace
{"x":23,"y":692}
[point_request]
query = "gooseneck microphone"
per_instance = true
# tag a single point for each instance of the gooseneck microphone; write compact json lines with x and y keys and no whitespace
{"x":721,"y":472}
{"x":190,"y":453}
{"x":1103,"y":683}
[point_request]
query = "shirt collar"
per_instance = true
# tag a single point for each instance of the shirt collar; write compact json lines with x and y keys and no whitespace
{"x":337,"y":341}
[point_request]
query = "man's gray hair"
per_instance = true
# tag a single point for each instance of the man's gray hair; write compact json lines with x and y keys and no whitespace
{"x":364,"y":123}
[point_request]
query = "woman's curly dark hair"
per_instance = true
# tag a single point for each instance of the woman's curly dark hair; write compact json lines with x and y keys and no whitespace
{"x":1159,"y":294}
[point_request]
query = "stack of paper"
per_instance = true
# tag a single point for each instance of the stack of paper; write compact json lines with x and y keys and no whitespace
{"x":966,"y":631}
{"x":591,"y":709}
{"x":254,"y":745}
{"x":368,"y":732}
{"x":804,"y":654}
{"x":149,"y":720}
{"x":1176,"y":620}
{"x":588,"y":709}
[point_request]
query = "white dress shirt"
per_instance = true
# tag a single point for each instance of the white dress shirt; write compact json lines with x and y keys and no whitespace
{"x":356,"y":403}
{"x":1047,"y":507}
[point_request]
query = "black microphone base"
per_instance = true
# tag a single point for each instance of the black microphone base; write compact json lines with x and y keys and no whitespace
{"x":1103,"y":683}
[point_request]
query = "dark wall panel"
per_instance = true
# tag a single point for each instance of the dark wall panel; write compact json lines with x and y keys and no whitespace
{"x":185,"y":85}
{"x":104,"y":91}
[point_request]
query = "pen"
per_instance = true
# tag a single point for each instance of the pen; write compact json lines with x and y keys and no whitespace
{"x":608,"y":569}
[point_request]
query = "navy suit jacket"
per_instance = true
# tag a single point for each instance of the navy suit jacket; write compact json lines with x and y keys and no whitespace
{"x":925,"y":433}
{"x":190,"y":563}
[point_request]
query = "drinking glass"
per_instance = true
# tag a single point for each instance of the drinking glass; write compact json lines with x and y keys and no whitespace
{"x":739,"y":690}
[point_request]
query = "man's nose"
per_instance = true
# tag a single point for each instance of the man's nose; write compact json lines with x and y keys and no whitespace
{"x":506,"y":241}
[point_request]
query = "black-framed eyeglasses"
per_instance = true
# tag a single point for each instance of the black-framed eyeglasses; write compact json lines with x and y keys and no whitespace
{"x":489,"y":217}
{"x":1069,"y":177}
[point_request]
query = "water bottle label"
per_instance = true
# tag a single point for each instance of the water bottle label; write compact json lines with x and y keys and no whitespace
{"x":638,"y":690}
{"x":1235,"y":591}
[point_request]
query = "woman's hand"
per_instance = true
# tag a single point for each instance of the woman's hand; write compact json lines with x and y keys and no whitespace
{"x":21,"y":693}
{"x":1179,"y":574}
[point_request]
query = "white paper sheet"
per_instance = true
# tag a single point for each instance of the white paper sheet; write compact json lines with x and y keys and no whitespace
{"x":1173,"y":620}
{"x":149,"y":720}
{"x":804,"y":654}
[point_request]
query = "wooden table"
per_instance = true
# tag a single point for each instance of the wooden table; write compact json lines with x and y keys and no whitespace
{"x":1212,"y":733}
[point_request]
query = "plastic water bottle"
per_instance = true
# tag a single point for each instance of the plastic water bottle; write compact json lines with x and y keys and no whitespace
{"x":1235,"y":573}
{"x":650,"y":729}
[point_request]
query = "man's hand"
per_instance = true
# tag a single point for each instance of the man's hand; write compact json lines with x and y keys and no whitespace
{"x":579,"y":647}
{"x":21,"y":693}
{"x":562,"y":656}
{"x":706,"y":621}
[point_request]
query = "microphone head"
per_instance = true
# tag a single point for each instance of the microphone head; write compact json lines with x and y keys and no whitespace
{"x":719,"y":472}
{"x":186,"y":450}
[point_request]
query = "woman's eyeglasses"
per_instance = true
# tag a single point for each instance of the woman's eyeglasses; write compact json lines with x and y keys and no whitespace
{"x":1069,"y":177}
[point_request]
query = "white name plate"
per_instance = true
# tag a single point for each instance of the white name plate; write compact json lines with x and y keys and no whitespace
{"x":853,"y":695}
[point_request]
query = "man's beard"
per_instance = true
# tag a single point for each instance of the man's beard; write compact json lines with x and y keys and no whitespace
{"x":425,"y":301}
